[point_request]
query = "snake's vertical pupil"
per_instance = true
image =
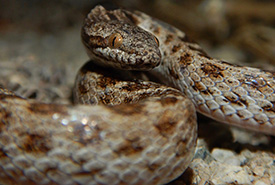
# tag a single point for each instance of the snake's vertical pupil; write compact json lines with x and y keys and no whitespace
{"x":113,"y":43}
{"x":157,"y":40}
{"x":115,"y":40}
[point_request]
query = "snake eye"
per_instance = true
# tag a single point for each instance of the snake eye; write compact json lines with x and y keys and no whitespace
{"x":156,"y":40}
{"x":115,"y":40}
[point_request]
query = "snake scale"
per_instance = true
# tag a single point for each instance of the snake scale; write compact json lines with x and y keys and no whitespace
{"x":139,"y":132}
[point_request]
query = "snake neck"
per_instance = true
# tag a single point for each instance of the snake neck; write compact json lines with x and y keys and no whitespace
{"x":237,"y":95}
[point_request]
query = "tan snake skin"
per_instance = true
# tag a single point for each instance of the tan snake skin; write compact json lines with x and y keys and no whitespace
{"x":146,"y":133}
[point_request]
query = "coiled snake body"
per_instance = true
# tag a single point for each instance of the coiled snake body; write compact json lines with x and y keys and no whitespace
{"x":147,"y":132}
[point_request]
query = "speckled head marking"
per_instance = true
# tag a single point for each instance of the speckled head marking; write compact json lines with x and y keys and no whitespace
{"x":113,"y":39}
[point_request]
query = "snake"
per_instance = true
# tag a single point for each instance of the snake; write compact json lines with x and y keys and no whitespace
{"x":122,"y":128}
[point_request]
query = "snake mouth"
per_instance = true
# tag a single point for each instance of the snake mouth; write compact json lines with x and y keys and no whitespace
{"x":118,"y":59}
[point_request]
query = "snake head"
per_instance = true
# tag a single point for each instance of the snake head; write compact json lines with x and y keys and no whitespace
{"x":113,"y":39}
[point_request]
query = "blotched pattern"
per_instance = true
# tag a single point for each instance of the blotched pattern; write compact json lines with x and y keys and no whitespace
{"x":146,"y":133}
{"x":57,"y":144}
{"x":236,"y":95}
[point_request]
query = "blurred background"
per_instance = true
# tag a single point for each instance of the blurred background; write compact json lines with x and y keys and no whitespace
{"x":222,"y":26}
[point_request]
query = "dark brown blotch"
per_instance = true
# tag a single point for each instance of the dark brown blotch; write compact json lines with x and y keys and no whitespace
{"x":85,"y":174}
{"x":130,"y":147}
{"x":82,"y":88}
{"x":176,"y":48}
{"x":168,"y":101}
{"x":200,"y":86}
{"x":153,"y":167}
{"x":168,"y":38}
{"x":212,"y":70}
{"x":106,"y":99}
{"x":46,"y":109}
{"x":5,"y":114}
{"x":237,"y":103}
{"x":106,"y":81}
{"x":35,"y":143}
{"x":243,"y":101}
{"x":185,"y":59}
{"x":260,"y":122}
{"x":206,"y":92}
{"x":239,"y":114}
{"x":182,"y":147}
{"x":127,"y":109}
{"x":195,"y":88}
{"x":166,"y":124}
{"x":97,"y":41}
{"x":156,"y":30}
{"x":128,"y":100}
{"x":131,"y":87}
{"x":225,"y":100}
{"x":231,"y":98}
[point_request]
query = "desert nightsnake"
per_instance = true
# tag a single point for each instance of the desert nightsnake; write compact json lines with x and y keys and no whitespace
{"x":152,"y":139}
